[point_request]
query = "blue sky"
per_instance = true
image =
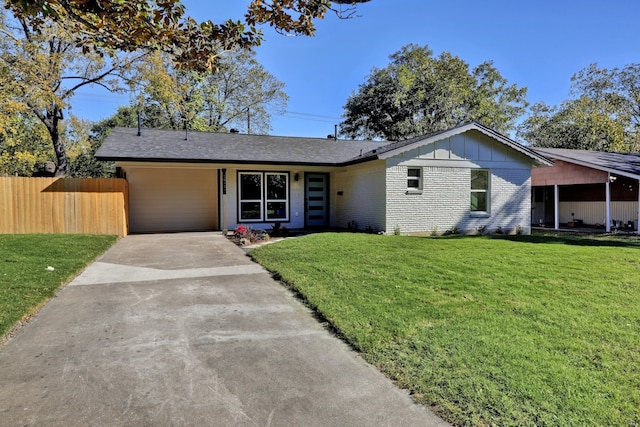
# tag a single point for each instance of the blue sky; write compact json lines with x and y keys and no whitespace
{"x":537,"y":44}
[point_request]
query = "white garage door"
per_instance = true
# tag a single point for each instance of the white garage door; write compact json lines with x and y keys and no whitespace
{"x":164,"y":200}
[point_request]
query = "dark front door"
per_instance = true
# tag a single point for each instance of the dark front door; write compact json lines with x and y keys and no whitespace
{"x":316,"y":196}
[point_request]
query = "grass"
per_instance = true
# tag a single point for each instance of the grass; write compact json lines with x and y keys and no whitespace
{"x":523,"y":330}
{"x":25,"y":282}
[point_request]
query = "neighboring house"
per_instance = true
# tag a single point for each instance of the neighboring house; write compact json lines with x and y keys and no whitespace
{"x":468,"y":178}
{"x":586,"y":188}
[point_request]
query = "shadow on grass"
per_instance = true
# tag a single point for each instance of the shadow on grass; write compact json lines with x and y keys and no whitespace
{"x":575,"y":240}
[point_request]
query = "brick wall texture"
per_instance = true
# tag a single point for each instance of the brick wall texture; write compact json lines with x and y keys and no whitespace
{"x":444,"y":203}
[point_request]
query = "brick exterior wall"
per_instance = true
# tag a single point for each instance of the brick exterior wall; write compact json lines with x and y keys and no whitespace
{"x":444,"y":203}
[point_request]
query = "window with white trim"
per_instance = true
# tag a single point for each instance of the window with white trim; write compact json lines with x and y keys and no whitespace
{"x":277,"y":196}
{"x":480,"y":190}
{"x":263,"y":196}
{"x":414,"y":179}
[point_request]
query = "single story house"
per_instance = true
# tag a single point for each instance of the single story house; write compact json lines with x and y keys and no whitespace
{"x":586,"y":188}
{"x":468,"y":178}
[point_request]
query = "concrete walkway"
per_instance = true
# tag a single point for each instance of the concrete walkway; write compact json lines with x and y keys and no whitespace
{"x":185,"y":330}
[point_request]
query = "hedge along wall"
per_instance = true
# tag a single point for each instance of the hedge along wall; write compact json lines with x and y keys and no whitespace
{"x":64,"y":205}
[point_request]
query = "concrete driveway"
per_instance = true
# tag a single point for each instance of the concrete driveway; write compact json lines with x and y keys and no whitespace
{"x":184,"y":329}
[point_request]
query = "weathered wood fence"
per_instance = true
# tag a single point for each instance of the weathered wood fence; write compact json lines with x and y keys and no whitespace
{"x":64,"y":205}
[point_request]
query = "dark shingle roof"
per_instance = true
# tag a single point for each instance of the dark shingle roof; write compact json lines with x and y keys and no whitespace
{"x":620,"y":164}
{"x":154,"y":145}
{"x":170,"y":145}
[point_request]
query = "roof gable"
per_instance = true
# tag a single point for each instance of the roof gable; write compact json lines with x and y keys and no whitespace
{"x":400,"y":147}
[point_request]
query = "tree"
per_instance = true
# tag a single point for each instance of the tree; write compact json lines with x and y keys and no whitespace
{"x":82,"y":143}
{"x":239,"y":93}
{"x":170,"y":98}
{"x":50,"y":37}
{"x":24,"y":148}
{"x":23,"y":145}
{"x":150,"y":24}
{"x":418,"y":93}
{"x":603,"y":115}
{"x":575,"y":124}
{"x":41,"y":70}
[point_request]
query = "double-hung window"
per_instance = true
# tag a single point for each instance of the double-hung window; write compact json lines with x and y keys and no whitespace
{"x":263,"y":196}
{"x":480,"y":190}
{"x":414,"y":179}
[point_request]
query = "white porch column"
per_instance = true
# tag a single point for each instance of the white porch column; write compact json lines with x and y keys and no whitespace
{"x":638,"y":218}
{"x":608,"y":203}
{"x":556,"y":206}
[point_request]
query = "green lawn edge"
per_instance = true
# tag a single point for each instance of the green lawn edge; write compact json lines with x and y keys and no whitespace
{"x":33,"y":267}
{"x":488,"y":330}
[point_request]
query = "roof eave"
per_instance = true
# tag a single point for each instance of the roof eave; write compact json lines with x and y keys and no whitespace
{"x":213,"y":161}
{"x":358,"y":160}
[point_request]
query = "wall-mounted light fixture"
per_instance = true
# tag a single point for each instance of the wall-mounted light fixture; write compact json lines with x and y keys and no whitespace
{"x":296,"y":176}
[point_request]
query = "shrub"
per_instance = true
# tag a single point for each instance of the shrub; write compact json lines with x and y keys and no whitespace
{"x":246,"y":235}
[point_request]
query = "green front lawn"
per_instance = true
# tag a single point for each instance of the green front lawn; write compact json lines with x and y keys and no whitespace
{"x":25,"y":281}
{"x":524,"y":330}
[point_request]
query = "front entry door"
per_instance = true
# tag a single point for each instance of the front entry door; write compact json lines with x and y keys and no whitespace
{"x":316,"y":197}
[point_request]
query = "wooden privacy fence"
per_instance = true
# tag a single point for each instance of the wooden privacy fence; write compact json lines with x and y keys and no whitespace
{"x":64,"y":205}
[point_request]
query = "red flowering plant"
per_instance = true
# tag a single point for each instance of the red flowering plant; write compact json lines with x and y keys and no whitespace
{"x":246,"y":235}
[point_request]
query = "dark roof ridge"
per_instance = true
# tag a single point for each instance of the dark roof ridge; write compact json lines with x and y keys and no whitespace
{"x":244,"y":135}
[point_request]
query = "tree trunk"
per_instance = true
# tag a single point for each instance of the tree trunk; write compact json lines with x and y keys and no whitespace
{"x":62,"y":169}
{"x":53,"y":126}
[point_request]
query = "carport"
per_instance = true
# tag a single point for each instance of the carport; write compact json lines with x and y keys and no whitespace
{"x":586,"y":188}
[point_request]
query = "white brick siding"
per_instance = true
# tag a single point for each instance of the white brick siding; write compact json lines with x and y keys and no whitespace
{"x":363,"y":196}
{"x":444,"y":203}
{"x":441,"y":204}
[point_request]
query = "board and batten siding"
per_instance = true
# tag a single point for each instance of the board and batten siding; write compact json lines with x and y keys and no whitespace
{"x":172,"y":199}
{"x":444,"y":202}
{"x":360,"y":197}
{"x":596,"y":212}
